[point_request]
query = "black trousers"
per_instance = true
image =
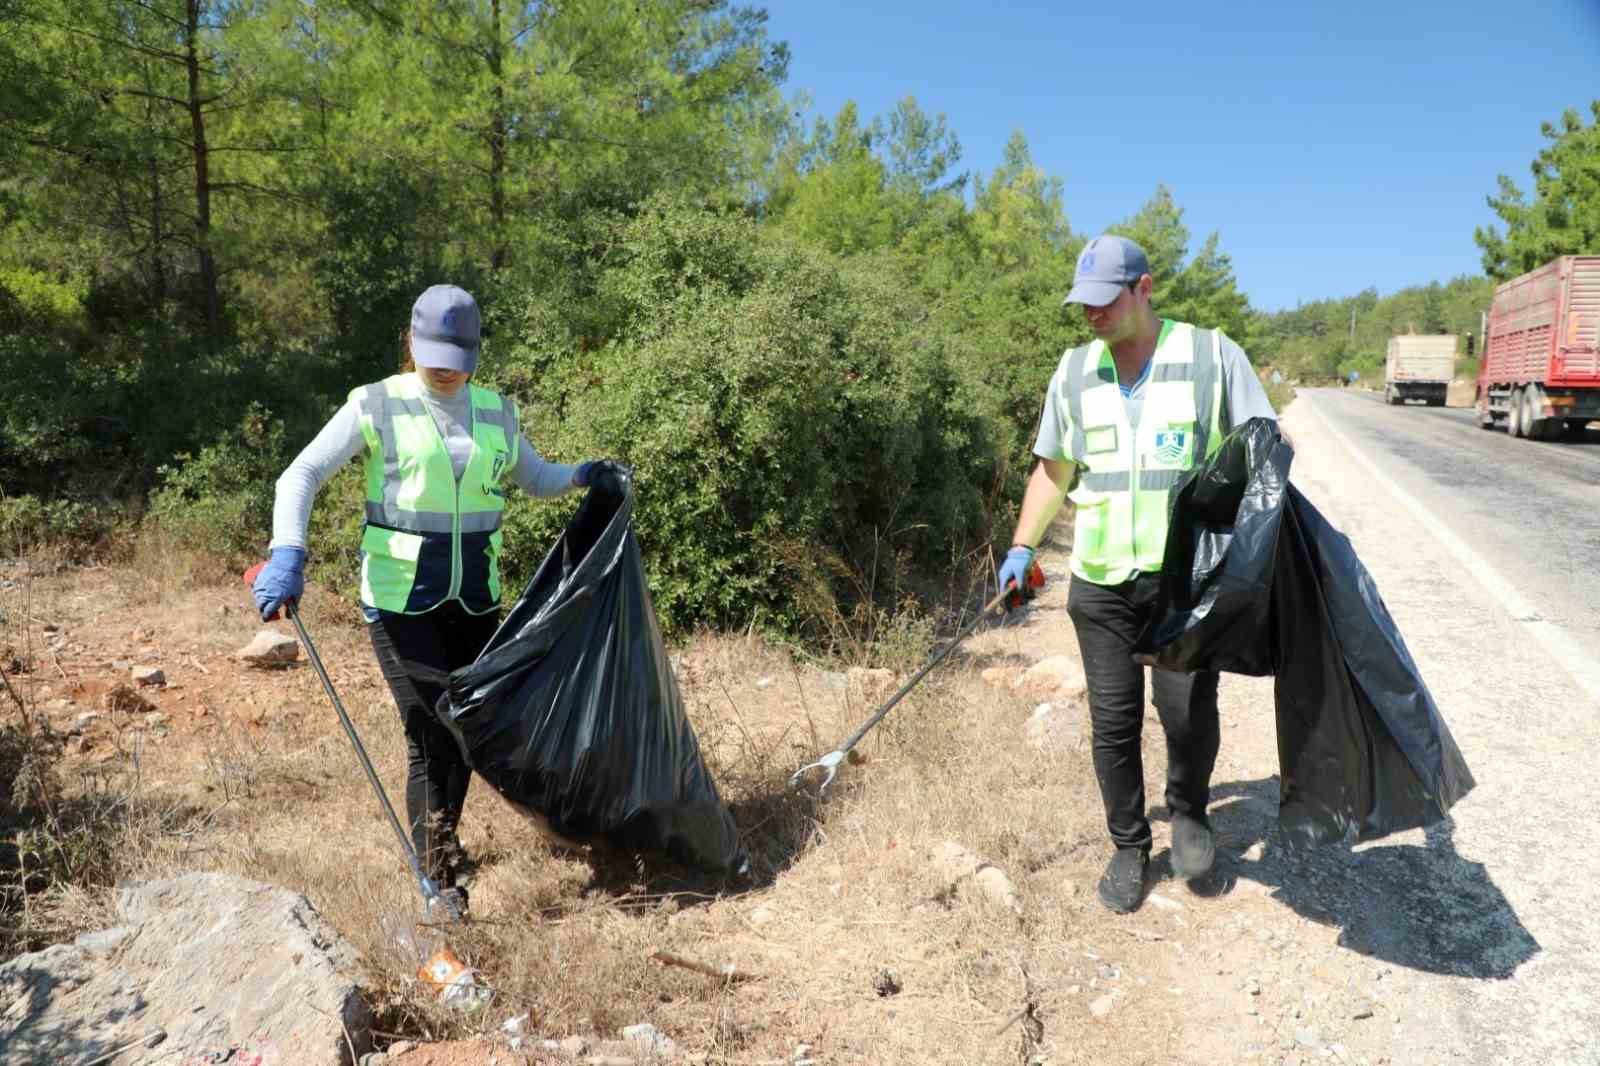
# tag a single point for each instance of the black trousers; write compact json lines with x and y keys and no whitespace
{"x":1108,"y":619}
{"x":444,"y":639}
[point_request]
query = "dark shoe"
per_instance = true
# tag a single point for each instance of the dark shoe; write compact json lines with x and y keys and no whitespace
{"x":1122,"y":885}
{"x":1194,"y":847}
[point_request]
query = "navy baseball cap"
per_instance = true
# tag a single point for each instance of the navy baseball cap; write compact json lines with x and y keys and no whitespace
{"x":1107,"y":265}
{"x":445,"y":330}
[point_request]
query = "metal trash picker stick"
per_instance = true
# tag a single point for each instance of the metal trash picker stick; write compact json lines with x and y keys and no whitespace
{"x":830,"y":762}
{"x":430,"y":891}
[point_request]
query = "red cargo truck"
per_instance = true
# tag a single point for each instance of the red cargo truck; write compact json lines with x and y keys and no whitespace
{"x":1540,"y":375}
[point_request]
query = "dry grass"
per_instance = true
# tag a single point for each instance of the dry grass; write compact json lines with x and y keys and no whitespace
{"x":846,"y":905}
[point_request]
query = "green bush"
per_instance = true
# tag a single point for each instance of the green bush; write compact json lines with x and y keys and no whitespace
{"x":220,"y":499}
{"x":29,"y":524}
{"x":786,"y":422}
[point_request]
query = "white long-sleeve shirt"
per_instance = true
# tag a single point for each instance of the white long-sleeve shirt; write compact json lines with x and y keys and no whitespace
{"x":341,"y":440}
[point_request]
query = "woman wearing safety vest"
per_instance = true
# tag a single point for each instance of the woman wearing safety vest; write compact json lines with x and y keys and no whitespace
{"x":1125,"y":417}
{"x":438,"y":451}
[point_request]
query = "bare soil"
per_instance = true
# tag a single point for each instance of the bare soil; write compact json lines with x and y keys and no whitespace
{"x":859,"y":949}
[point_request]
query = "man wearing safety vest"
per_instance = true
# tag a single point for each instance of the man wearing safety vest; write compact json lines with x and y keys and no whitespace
{"x":1126,"y":416}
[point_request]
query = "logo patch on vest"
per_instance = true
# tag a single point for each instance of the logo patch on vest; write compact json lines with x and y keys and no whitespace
{"x":497,"y":467}
{"x":1172,"y":445}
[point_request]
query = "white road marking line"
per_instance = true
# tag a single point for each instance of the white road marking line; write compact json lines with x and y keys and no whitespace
{"x":1582,"y":667}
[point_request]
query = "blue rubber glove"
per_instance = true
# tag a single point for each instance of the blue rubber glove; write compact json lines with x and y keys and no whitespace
{"x":583,"y":477}
{"x":280,"y":581}
{"x":1014,"y":571}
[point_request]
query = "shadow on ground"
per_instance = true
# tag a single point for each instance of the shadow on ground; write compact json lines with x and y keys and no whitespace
{"x":1423,"y":907}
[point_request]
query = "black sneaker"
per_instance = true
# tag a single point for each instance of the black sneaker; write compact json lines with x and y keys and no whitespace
{"x":1122,"y":885}
{"x":1194,"y":847}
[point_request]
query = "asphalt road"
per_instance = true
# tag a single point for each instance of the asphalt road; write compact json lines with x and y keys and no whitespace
{"x":1485,"y":551}
{"x":1531,"y":509}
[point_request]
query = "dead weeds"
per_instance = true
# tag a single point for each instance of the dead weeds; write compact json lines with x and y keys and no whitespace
{"x":256,"y":779}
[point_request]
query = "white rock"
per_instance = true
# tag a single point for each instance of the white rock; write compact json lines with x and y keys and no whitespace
{"x":953,"y":864}
{"x":83,"y":721}
{"x":148,"y":675}
{"x":997,"y":888}
{"x":270,"y":975}
{"x":1102,"y":1006}
{"x":270,"y":648}
{"x":1047,"y":677}
{"x":1056,"y":727}
{"x":762,"y":915}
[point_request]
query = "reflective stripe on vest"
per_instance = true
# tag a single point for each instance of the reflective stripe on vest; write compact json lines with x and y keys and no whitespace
{"x":428,"y":538}
{"x":1128,"y":474}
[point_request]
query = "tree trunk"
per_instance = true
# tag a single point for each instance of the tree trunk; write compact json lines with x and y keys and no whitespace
{"x":211,"y":301}
{"x":497,"y":145}
{"x":158,"y":236}
{"x":158,"y":269}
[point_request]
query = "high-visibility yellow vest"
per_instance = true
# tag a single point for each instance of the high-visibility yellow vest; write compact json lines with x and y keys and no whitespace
{"x":1127,"y":475}
{"x":429,"y":538}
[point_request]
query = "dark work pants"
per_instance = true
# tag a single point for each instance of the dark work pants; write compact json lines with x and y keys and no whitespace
{"x":1109,"y":618}
{"x":444,"y":639}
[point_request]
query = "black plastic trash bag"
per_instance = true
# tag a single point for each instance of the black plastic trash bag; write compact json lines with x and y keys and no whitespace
{"x":571,"y":711}
{"x":1255,"y":581}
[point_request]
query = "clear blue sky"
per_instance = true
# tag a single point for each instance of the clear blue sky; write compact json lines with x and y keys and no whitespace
{"x":1333,"y":145}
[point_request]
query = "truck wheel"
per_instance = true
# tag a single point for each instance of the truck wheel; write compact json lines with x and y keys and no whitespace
{"x":1535,"y":427}
{"x":1514,"y":414}
{"x":1389,"y":396}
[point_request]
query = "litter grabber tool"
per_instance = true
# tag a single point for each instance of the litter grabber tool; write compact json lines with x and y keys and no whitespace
{"x":433,"y":900}
{"x":1010,"y":596}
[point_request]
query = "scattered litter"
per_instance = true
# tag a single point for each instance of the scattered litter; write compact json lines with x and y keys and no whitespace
{"x":649,"y":1039}
{"x":457,"y":987}
{"x":726,"y":971}
{"x":515,"y":1029}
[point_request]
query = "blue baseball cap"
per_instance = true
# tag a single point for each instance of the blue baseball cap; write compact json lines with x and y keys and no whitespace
{"x":445,"y":330}
{"x":1107,"y":265}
